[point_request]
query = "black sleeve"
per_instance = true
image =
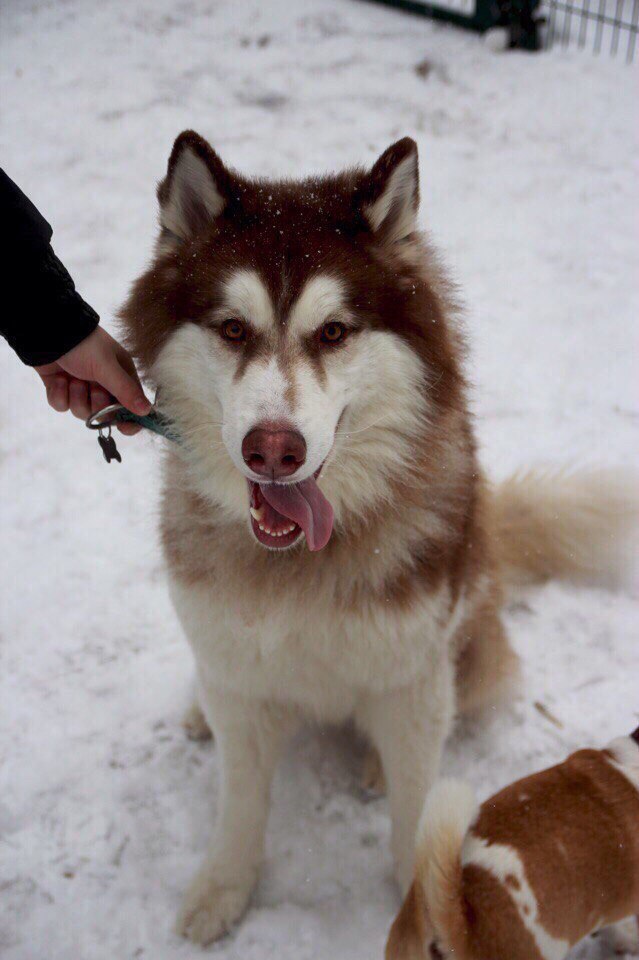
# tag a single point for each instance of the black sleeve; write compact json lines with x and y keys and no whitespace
{"x":43,"y":316}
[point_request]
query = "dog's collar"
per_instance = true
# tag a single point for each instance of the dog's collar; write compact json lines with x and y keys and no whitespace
{"x":103,"y":420}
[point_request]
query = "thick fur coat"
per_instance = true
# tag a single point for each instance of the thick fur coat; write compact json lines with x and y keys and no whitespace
{"x":316,"y":308}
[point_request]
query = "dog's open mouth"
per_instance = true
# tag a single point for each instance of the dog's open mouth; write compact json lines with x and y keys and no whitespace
{"x":281,"y":512}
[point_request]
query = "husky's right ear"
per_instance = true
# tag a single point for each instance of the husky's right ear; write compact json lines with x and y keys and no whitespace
{"x":390,"y":195}
{"x":196,"y":189}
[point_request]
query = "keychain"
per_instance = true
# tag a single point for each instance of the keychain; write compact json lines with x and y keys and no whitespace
{"x":107,"y":444}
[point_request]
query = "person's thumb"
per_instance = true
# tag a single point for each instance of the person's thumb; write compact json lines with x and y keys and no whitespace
{"x":125,"y":387}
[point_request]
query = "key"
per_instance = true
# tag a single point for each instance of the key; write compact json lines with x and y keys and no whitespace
{"x":108,"y":447}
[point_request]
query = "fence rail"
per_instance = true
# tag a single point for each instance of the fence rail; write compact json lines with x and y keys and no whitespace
{"x":607,"y":25}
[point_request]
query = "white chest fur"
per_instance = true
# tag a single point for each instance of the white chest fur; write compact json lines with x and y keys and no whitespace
{"x":306,"y":650}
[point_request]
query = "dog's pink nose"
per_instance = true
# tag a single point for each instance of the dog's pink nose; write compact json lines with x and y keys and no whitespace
{"x":274,"y":450}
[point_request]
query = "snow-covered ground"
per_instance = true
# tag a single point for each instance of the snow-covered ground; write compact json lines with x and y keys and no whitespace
{"x":529,"y":183}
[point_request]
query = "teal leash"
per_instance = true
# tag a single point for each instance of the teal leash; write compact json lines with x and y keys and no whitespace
{"x":103,"y":420}
{"x":153,"y":421}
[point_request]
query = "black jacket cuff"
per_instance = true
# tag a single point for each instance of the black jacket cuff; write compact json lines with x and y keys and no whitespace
{"x":53,"y":316}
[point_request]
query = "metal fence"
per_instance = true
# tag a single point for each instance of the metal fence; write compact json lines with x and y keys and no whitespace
{"x":603,"y":26}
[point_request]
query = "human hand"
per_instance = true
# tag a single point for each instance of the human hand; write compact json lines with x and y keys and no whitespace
{"x":91,"y":375}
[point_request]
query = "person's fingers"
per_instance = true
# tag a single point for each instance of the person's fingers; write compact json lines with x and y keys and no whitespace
{"x":46,"y":369}
{"x":79,"y":399}
{"x":102,"y":359}
{"x":129,"y":429}
{"x":124,"y":386}
{"x":99,"y":398}
{"x":57,"y":388}
{"x":126,"y":361}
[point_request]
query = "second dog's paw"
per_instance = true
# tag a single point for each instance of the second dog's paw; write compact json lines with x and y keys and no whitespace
{"x":210,"y":908}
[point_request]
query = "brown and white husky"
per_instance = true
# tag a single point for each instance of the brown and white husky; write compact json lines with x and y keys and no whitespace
{"x":333,"y":550}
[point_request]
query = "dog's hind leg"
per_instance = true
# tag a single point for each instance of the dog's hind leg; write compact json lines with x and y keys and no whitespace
{"x":195,"y":724}
{"x":409,"y":727}
{"x":372,"y":779}
{"x":487,"y":667}
{"x":250,"y":735}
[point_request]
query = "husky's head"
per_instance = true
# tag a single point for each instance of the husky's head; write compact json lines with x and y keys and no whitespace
{"x":297,"y":334}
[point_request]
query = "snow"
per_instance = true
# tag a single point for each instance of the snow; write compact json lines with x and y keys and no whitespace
{"x":528,"y":175}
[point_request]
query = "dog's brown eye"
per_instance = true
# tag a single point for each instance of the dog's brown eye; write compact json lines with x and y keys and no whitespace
{"x":233,"y":330}
{"x":333,"y":333}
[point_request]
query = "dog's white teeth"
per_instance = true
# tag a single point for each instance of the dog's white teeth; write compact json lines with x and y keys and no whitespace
{"x":271,"y":533}
{"x":257,"y":514}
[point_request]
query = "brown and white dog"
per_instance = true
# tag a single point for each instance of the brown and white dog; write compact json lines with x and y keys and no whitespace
{"x":333,"y":549}
{"x":536,"y":868}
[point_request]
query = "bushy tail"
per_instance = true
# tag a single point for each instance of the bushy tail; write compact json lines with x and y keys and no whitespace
{"x":449,"y":810}
{"x":580,"y":525}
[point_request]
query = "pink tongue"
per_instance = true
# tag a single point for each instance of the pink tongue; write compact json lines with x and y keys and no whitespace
{"x":304,"y":504}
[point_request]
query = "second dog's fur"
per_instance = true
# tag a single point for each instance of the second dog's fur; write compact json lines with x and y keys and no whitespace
{"x":540,"y":865}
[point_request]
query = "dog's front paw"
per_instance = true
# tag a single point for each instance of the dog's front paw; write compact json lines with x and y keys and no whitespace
{"x":211,"y":907}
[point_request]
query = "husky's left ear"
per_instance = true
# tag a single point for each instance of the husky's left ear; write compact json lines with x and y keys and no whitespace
{"x":196,"y":189}
{"x":391,"y":192}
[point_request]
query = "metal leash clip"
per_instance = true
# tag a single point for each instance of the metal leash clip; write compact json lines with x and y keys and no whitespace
{"x":103,"y":420}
